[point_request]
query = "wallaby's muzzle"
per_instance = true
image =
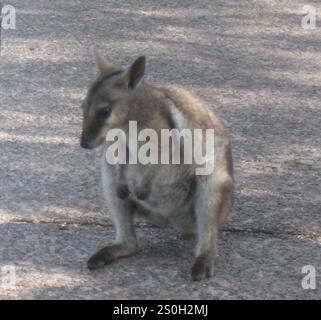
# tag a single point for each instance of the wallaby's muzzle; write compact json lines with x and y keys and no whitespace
{"x":89,"y":142}
{"x":83,"y":142}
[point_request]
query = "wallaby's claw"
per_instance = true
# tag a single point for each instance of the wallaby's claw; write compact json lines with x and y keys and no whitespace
{"x":122,"y":191}
{"x":203,"y":267}
{"x":142,"y":192}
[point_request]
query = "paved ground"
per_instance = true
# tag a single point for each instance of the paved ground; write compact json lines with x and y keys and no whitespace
{"x":256,"y":66}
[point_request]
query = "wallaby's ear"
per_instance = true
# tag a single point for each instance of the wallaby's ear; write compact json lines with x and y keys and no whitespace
{"x":103,"y":65}
{"x":136,"y":72}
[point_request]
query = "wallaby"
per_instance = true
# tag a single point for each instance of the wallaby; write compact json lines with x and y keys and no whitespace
{"x":163,"y":193}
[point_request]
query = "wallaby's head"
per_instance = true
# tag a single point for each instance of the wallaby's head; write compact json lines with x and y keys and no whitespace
{"x":108,"y":100}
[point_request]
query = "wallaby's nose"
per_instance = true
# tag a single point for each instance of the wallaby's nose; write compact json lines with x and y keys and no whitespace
{"x":83,"y":142}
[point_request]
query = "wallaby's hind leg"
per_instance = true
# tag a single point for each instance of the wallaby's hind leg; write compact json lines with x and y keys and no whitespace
{"x":123,"y":215}
{"x":213,"y":202}
{"x":126,"y":243}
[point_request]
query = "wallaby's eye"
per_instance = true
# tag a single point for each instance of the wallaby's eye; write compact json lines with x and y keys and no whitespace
{"x":104,"y":113}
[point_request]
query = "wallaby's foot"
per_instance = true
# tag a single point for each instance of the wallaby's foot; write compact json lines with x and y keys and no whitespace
{"x":122,"y":191}
{"x":108,"y":255}
{"x":203,"y":267}
{"x":142,"y":192}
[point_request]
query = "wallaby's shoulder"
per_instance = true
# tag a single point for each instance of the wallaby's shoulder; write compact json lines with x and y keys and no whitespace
{"x":193,"y":109}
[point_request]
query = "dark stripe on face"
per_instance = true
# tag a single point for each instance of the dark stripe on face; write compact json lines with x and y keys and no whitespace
{"x":93,"y":131}
{"x":103,"y":79}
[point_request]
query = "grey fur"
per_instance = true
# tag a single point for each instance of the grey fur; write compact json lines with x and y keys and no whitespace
{"x":164,"y":194}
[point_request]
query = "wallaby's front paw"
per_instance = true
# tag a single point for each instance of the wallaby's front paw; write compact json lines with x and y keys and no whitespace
{"x":203,"y":267}
{"x":142,"y":192}
{"x":122,"y":191}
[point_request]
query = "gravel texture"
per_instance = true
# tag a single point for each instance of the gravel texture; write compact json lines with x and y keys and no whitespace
{"x":250,"y":60}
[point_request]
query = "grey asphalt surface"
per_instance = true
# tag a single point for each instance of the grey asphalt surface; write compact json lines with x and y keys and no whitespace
{"x":250,"y":60}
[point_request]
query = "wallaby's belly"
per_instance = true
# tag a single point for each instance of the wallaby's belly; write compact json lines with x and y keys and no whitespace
{"x":171,"y":192}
